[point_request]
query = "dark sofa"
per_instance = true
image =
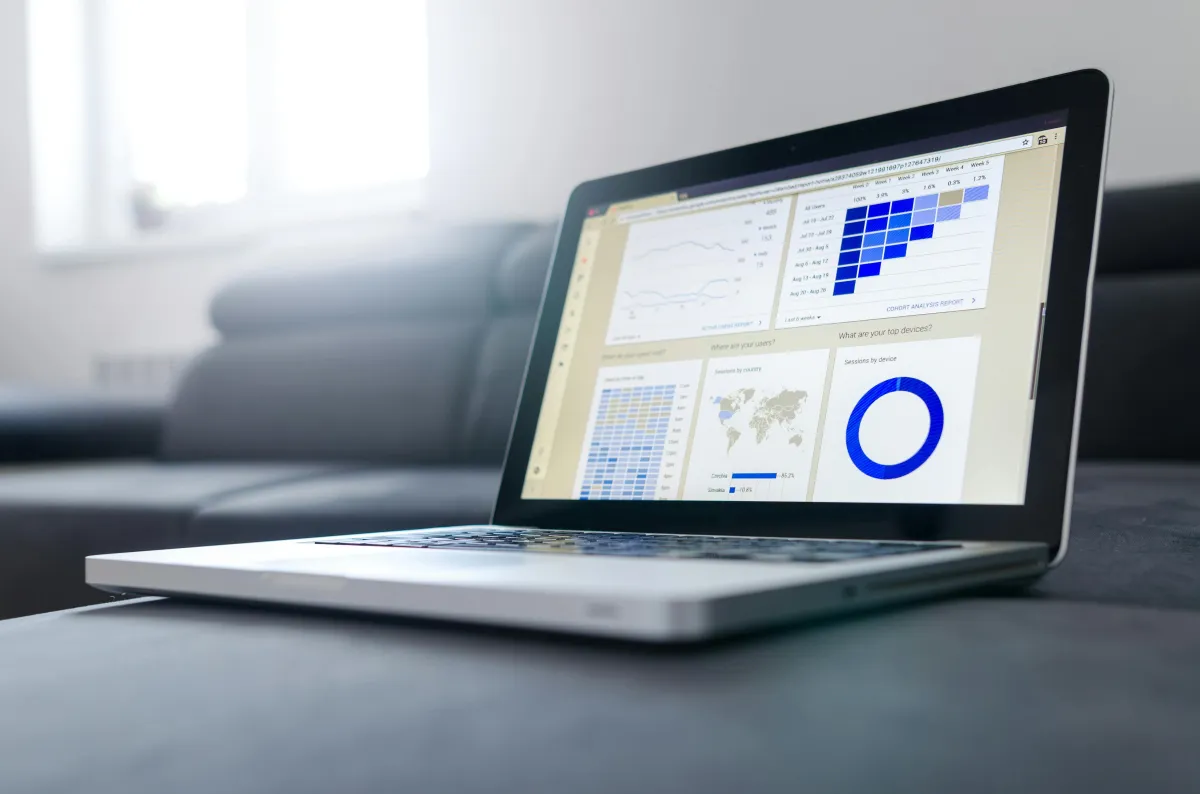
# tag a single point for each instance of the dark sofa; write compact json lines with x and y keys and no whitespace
{"x":377,"y":393}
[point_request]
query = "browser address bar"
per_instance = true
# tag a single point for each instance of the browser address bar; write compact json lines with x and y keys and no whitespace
{"x":834,"y":178}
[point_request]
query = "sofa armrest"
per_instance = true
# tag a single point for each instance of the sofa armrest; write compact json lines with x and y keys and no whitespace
{"x":38,"y":425}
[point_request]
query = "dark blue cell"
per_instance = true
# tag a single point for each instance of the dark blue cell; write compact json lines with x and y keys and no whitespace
{"x":900,"y":221}
{"x":851,"y":242}
{"x":849,"y":257}
{"x":877,"y":238}
{"x":903,"y":205}
{"x":875,"y":210}
{"x":854,"y":227}
{"x":872,"y":254}
{"x":895,"y":251}
{"x":921,"y":232}
{"x":897,"y":236}
{"x":868,"y":270}
{"x":856,"y":213}
{"x":843,"y":288}
{"x":847,"y":272}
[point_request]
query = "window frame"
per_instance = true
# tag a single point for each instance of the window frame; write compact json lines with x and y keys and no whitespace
{"x":266,"y":210}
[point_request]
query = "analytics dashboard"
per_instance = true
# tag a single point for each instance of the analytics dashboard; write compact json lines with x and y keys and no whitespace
{"x":866,"y":334}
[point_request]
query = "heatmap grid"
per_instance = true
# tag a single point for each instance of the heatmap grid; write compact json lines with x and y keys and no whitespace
{"x":883,"y":231}
{"x":625,"y":455}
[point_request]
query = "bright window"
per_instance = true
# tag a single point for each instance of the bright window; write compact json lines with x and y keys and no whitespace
{"x":176,"y":119}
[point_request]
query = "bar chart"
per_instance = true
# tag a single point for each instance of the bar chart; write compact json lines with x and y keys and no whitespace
{"x":916,"y":243}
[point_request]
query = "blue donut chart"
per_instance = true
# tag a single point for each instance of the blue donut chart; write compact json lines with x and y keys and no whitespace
{"x":937,"y":420}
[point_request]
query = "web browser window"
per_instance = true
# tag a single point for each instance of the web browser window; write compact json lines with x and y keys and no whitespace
{"x":869,"y":333}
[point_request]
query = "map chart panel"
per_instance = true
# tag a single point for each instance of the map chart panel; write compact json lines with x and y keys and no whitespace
{"x":756,"y":425}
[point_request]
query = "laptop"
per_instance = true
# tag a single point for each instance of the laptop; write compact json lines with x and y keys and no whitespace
{"x":816,"y":374}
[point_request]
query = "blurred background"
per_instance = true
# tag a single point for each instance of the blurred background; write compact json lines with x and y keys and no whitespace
{"x":271,"y":268}
{"x":154,"y":149}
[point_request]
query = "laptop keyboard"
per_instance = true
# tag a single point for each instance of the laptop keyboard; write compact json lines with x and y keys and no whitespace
{"x":630,"y":544}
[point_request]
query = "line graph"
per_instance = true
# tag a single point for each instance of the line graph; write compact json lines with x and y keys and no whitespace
{"x":664,"y":299}
{"x":696,"y":243}
{"x":700,"y":274}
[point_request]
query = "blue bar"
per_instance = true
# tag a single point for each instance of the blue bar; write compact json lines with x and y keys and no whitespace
{"x":849,"y":271}
{"x":895,"y":251}
{"x":900,"y":221}
{"x":754,"y":475}
{"x":856,"y":213}
{"x":851,"y":242}
{"x":843,"y":288}
{"x":950,"y":213}
{"x":848,"y":257}
{"x":877,"y":224}
{"x":875,"y":210}
{"x":897,"y":236}
{"x":732,"y":489}
{"x":872,"y":240}
{"x":865,"y":271}
{"x":903,"y":205}
{"x":855,"y":227}
{"x":923,"y":217}
{"x":976,"y":193}
{"x":926,"y":202}
{"x":922,"y":232}
{"x":872,"y":254}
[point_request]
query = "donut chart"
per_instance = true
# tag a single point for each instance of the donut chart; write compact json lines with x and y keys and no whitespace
{"x":937,"y":420}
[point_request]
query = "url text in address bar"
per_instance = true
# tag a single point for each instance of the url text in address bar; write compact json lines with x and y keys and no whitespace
{"x":834,"y":178}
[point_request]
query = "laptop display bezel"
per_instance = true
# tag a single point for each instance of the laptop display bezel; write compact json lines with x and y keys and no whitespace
{"x":1084,"y":97}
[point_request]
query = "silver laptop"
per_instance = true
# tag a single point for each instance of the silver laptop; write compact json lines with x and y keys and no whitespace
{"x":815,"y":374}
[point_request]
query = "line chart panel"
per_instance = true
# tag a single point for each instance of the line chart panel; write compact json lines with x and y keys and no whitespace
{"x":701,"y":274}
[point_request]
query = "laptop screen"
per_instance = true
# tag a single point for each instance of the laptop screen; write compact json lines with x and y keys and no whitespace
{"x":865,"y":329}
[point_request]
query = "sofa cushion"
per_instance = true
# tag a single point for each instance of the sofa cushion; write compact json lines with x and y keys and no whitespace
{"x":520,"y":277}
{"x":1142,"y":229}
{"x":371,"y":500}
{"x":1144,"y":340}
{"x":380,"y":394}
{"x":427,"y":272}
{"x":53,"y":517}
{"x":495,"y":387}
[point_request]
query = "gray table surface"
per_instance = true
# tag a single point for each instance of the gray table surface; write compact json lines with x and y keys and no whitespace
{"x":1089,"y":684}
{"x":974,"y":695}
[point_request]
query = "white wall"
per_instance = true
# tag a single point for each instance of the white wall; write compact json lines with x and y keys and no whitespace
{"x":533,"y":96}
{"x":530,"y":97}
